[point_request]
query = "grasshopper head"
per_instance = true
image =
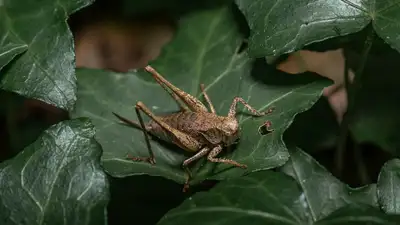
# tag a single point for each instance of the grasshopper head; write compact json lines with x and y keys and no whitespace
{"x":230,"y":129}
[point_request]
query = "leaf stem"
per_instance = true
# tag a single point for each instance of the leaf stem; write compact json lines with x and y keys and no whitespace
{"x":351,"y":89}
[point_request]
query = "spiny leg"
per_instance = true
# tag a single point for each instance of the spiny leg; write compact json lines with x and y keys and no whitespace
{"x":193,"y":103}
{"x":207,"y":98}
{"x":215,"y":151}
{"x":236,"y":100}
{"x":150,"y":159}
{"x":203,"y":152}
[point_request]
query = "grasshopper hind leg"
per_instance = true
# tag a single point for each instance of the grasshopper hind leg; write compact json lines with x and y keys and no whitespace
{"x":130,"y":122}
{"x":191,"y":102}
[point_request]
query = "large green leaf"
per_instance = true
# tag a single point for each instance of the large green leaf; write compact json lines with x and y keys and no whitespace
{"x":205,"y":50}
{"x":56,"y":180}
{"x":269,"y":198}
{"x":281,"y":26}
{"x":359,"y":215}
{"x":323,"y":192}
{"x":260,"y":198}
{"x":45,"y":71}
{"x":388,"y":187}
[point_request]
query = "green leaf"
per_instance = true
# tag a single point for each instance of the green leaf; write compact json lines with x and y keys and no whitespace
{"x":10,"y":47}
{"x":359,"y":215}
{"x":385,"y":15}
{"x":388,"y":187}
{"x":45,"y":71}
{"x":260,"y":198}
{"x":205,"y":50}
{"x":278,"y":27}
{"x":268,"y":197}
{"x":323,"y":192}
{"x":56,"y":180}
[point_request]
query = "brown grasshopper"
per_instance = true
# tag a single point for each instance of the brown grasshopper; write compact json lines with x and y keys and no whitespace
{"x":193,"y":128}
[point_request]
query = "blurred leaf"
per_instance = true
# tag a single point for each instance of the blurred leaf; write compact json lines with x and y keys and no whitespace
{"x":171,"y":6}
{"x":56,"y":180}
{"x":376,"y":117}
{"x":45,"y":71}
{"x":279,"y":27}
{"x":260,"y":198}
{"x":359,"y":215}
{"x":388,"y":187}
{"x":323,"y":192}
{"x":378,"y":124}
{"x":205,"y":50}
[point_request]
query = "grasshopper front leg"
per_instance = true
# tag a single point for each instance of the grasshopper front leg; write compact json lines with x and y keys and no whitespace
{"x":212,"y":153}
{"x":203,"y":152}
{"x":212,"y":157}
{"x":236,"y":100}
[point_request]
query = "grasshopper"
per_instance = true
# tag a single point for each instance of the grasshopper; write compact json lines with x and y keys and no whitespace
{"x":193,"y":128}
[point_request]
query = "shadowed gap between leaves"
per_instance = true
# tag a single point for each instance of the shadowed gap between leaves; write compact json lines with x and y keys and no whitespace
{"x":145,"y":199}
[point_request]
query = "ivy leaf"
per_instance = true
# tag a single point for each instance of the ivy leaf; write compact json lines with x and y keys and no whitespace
{"x":279,"y":27}
{"x":359,"y":215}
{"x":45,"y":70}
{"x":323,"y":192}
{"x":388,"y":187}
{"x":260,"y":198}
{"x":385,"y":16}
{"x":268,"y":197}
{"x":205,"y":50}
{"x":56,"y":180}
{"x":9,"y":46}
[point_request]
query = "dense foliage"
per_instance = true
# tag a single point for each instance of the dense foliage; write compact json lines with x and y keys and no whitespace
{"x":71,"y":172}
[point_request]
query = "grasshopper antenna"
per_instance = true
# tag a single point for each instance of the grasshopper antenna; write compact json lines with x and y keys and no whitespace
{"x":127,"y":121}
